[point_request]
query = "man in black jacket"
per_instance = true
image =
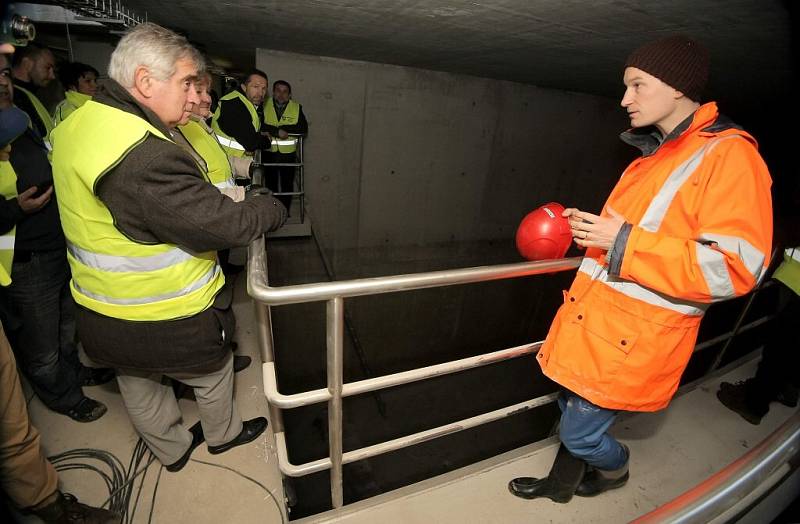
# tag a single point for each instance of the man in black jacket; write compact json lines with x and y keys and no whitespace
{"x":240,"y":115}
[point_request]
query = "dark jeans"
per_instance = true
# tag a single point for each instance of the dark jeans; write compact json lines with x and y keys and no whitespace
{"x":281,"y":179}
{"x":584,"y":432}
{"x":44,"y":339}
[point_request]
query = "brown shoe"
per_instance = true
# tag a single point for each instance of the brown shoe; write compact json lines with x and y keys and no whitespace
{"x":67,"y":510}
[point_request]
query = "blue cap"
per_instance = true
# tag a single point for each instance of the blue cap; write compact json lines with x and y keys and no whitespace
{"x":13,"y":122}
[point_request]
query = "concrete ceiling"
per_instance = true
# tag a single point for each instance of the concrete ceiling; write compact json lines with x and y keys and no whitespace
{"x":575,"y":45}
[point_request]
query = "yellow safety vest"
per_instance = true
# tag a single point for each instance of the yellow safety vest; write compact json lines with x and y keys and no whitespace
{"x":8,"y":189}
{"x":41,"y":112}
{"x":290,"y":116}
{"x":789,"y":270}
{"x":218,"y":167}
{"x":231,"y":146}
{"x":111,"y":273}
{"x":73,"y":101}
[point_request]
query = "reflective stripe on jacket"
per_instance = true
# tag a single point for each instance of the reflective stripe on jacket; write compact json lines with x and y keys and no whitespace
{"x":112,"y":274}
{"x":701,"y":212}
{"x":218,"y":167}
{"x":73,"y":101}
{"x":229,"y":143}
{"x":290,"y":116}
{"x":8,"y":190}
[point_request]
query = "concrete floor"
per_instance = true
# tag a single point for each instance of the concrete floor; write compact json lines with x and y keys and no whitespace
{"x":200,"y":493}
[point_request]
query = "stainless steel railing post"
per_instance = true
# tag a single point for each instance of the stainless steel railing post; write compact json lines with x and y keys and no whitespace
{"x":335,"y":343}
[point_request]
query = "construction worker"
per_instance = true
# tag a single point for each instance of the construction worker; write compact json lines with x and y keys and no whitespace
{"x":80,"y":85}
{"x":237,"y":120}
{"x":34,"y":67}
{"x":143,"y":225}
{"x":669,"y":241}
{"x":283,"y":117}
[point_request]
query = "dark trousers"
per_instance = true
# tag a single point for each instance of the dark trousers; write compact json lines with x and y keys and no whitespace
{"x":780,"y":361}
{"x":281,"y":179}
{"x":43,"y":337}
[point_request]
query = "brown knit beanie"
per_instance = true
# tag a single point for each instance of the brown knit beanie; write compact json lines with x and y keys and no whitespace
{"x":676,"y":60}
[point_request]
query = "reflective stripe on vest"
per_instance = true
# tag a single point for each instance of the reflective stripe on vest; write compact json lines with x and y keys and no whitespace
{"x":230,"y":144}
{"x":41,"y":113}
{"x":8,"y":190}
{"x":711,"y":259}
{"x":112,"y":274}
{"x":290,"y":116}
{"x":218,"y":167}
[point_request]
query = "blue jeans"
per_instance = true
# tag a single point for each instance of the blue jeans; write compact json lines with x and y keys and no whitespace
{"x":44,"y":340}
{"x":584,"y":432}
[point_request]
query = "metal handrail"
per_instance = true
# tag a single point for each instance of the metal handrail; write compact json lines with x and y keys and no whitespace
{"x":729,"y":491}
{"x":259,"y":289}
{"x":335,"y":293}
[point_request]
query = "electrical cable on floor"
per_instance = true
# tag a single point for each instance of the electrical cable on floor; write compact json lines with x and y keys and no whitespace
{"x":155,"y":490}
{"x":120,"y":481}
{"x":251,"y":479}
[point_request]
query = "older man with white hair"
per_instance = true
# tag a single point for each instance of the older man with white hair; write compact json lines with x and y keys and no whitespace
{"x":143,"y":227}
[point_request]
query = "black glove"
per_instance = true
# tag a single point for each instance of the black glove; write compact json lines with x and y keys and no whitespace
{"x":278,"y":210}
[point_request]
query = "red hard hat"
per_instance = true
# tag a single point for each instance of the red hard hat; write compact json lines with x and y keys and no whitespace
{"x":544,"y":233}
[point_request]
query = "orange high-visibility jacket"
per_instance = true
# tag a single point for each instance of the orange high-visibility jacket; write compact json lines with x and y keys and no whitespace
{"x":701,"y":215}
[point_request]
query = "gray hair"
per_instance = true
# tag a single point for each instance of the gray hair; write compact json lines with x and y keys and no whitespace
{"x":154,"y":47}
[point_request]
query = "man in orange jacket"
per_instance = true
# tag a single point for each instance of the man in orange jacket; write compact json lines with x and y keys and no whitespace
{"x":689,"y":223}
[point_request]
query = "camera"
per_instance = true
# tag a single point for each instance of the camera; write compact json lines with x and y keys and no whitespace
{"x":16,"y":29}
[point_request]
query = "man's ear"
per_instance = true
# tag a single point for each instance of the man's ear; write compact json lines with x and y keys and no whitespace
{"x":677,"y":94}
{"x":27,"y":64}
{"x":143,"y":81}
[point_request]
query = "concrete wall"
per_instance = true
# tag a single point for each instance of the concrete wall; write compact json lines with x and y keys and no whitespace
{"x":400,"y":157}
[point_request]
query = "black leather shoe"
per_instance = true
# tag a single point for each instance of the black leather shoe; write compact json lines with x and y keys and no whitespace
{"x":251,"y":429}
{"x":240,"y":362}
{"x":594,"y":483}
{"x":98,"y":376}
{"x":197,"y":439}
{"x":86,"y":410}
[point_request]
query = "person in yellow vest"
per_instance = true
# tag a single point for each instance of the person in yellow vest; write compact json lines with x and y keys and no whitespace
{"x":284,"y":121}
{"x":35,"y":306}
{"x":80,"y":85}
{"x":238,"y":118}
{"x":143,"y":225}
{"x":34,"y":67}
{"x":200,"y":141}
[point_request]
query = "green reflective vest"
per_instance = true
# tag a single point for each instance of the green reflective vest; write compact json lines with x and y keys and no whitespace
{"x":41,"y":112}
{"x":218,"y":167}
{"x":111,"y":273}
{"x":789,"y":270}
{"x":290,"y":116}
{"x":8,"y":189}
{"x":231,"y":146}
{"x":73,"y":101}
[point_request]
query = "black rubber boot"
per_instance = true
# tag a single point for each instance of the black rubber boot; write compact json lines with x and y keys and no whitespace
{"x":597,"y":481}
{"x":559,"y":485}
